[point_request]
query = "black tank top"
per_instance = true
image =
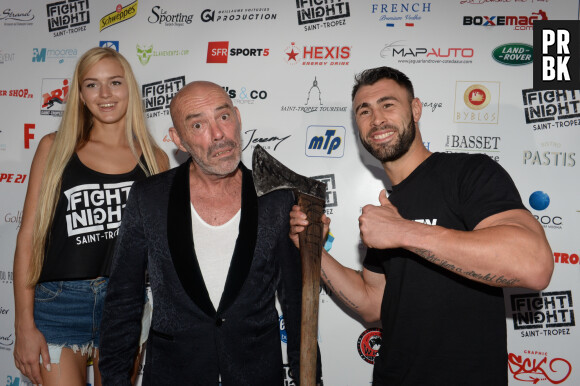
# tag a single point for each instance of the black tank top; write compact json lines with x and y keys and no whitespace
{"x":86,"y":222}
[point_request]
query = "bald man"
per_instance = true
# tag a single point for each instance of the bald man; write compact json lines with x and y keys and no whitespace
{"x":216,"y":255}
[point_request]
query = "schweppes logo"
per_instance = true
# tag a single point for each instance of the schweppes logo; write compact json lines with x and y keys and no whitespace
{"x":119,"y":15}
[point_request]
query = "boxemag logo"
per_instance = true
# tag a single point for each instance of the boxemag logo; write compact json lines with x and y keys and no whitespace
{"x":236,"y":15}
{"x":416,"y":55}
{"x":550,"y":155}
{"x":114,"y":44}
{"x":245,"y":96}
{"x":545,"y":314}
{"x":67,"y":17}
{"x":158,"y":95}
{"x":521,"y":23}
{"x":119,"y":15}
{"x":400,"y":14}
{"x":325,"y":141}
{"x":368,"y":344}
{"x":317,"y":55}
{"x":476,"y":102}
{"x":513,"y":54}
{"x":314,"y":14}
{"x":16,"y":17}
{"x":548,"y":109}
{"x":536,"y":366}
{"x":540,"y":201}
{"x":270,"y":142}
{"x":163,"y":17}
{"x":54,"y":96}
{"x":218,"y":52}
{"x":313,"y":100}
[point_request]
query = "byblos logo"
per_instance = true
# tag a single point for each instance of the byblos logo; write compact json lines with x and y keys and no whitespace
{"x":217,"y":52}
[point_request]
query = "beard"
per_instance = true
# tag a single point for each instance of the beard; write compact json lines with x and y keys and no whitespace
{"x":224,"y":166}
{"x":386,"y":152}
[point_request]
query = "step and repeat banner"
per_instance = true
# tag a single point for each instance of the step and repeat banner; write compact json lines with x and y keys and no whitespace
{"x":289,"y":65}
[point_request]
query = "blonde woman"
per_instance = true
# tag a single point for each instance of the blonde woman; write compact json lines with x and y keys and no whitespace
{"x":79,"y":182}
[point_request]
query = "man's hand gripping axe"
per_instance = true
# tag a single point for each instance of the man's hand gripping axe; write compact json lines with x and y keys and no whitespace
{"x":269,"y":175}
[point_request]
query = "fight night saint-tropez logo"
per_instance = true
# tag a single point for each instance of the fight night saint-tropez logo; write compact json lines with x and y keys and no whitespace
{"x":68,"y":17}
{"x":93,"y":211}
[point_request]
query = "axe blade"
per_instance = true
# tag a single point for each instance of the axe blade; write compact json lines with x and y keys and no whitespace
{"x":270,"y":175}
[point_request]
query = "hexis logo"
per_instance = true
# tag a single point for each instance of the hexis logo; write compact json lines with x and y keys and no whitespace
{"x":317,"y":55}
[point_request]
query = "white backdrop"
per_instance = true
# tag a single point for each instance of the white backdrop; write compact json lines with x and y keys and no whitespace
{"x":289,"y":65}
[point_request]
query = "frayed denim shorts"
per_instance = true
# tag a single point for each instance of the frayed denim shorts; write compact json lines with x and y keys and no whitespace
{"x":68,"y":313}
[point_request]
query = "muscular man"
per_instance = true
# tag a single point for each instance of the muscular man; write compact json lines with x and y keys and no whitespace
{"x":450,"y":235}
{"x":216,"y":255}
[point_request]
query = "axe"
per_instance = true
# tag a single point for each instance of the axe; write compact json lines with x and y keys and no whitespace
{"x":270,"y":175}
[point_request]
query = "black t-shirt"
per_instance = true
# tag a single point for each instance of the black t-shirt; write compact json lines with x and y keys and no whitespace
{"x":438,"y":327}
{"x":86,"y":222}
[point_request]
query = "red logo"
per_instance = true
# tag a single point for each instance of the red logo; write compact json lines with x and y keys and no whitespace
{"x":369,"y":343}
{"x":217,"y":52}
{"x":477,"y":96}
{"x":13,"y":178}
{"x":317,"y":55}
{"x":565,"y":258}
{"x":27,"y":134}
{"x":535,"y":370}
{"x":119,"y":8}
{"x":54,"y":96}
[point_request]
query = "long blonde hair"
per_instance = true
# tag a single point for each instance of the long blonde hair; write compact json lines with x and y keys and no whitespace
{"x":73,"y":132}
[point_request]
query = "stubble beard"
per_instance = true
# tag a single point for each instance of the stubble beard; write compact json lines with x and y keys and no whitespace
{"x":389,"y":153}
{"x":225,"y":166}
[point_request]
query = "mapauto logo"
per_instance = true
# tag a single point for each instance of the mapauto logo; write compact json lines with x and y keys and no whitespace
{"x":556,"y":54}
{"x":217,"y":52}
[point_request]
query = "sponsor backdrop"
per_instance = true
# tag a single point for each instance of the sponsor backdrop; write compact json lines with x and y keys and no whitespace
{"x":289,"y":65}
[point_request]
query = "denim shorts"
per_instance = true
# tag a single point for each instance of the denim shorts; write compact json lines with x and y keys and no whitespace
{"x":68,"y":313}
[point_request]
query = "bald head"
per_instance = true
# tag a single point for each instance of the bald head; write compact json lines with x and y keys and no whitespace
{"x":198,"y":91}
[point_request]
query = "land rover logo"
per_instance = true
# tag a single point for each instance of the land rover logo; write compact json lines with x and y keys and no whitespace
{"x":513,"y":54}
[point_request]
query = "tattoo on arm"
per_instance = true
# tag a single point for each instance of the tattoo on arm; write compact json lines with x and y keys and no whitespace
{"x":485,"y":278}
{"x":344,"y":299}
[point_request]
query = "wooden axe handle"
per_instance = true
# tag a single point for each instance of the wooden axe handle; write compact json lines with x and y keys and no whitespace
{"x":311,"y":244}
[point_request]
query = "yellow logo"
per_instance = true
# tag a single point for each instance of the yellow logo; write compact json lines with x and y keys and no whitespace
{"x":119,"y":15}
